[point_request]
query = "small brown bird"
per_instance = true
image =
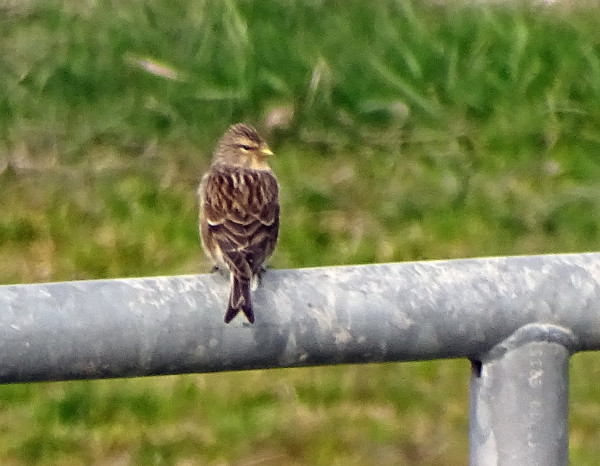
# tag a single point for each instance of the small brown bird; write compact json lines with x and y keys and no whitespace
{"x":239,"y":212}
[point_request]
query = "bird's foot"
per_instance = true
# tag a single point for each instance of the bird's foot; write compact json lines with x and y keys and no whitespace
{"x":223,"y":271}
{"x":259,"y":275}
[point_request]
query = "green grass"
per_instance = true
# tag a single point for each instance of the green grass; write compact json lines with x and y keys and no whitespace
{"x":419,"y":131}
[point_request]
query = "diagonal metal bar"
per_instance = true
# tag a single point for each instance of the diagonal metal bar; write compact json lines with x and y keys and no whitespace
{"x":388,"y":312}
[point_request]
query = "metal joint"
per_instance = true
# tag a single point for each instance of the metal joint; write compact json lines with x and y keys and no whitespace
{"x":530,"y":333}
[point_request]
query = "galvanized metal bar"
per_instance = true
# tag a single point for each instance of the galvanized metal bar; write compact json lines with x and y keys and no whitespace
{"x":519,"y":403}
{"x":388,"y":312}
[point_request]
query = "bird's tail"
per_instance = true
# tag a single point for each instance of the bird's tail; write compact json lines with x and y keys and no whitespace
{"x":239,"y":300}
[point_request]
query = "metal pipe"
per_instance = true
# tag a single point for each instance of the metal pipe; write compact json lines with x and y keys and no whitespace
{"x":388,"y":312}
{"x":519,"y":404}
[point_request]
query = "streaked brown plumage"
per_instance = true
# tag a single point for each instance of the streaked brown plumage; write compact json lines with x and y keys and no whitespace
{"x":239,"y":212}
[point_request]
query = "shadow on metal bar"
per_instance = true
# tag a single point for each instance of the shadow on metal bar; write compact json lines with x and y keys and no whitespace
{"x":517,"y":318}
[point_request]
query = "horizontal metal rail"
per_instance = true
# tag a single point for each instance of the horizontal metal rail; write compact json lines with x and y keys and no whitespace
{"x":389,"y":312}
{"x":517,"y":318}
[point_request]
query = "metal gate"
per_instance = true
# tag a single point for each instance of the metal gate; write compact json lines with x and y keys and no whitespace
{"x":518,"y":319}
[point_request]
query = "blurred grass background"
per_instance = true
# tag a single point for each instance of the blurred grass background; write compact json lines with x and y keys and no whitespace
{"x":403,"y":131}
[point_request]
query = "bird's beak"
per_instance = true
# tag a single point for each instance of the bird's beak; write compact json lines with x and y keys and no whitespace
{"x":266,"y":151}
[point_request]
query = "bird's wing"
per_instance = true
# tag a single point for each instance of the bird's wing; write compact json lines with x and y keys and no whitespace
{"x":241,"y":209}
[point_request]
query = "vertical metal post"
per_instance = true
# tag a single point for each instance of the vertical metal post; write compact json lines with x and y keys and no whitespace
{"x":519,"y":407}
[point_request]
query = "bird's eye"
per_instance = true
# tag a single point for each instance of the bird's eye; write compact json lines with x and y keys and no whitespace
{"x":244,"y":147}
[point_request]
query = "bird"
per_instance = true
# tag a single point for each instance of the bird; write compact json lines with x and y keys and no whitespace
{"x":239,"y":212}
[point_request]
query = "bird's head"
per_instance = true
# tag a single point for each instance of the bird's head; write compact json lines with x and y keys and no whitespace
{"x":242,"y":146}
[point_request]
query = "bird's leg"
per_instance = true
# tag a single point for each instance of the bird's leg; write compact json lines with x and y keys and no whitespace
{"x":259,"y":275}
